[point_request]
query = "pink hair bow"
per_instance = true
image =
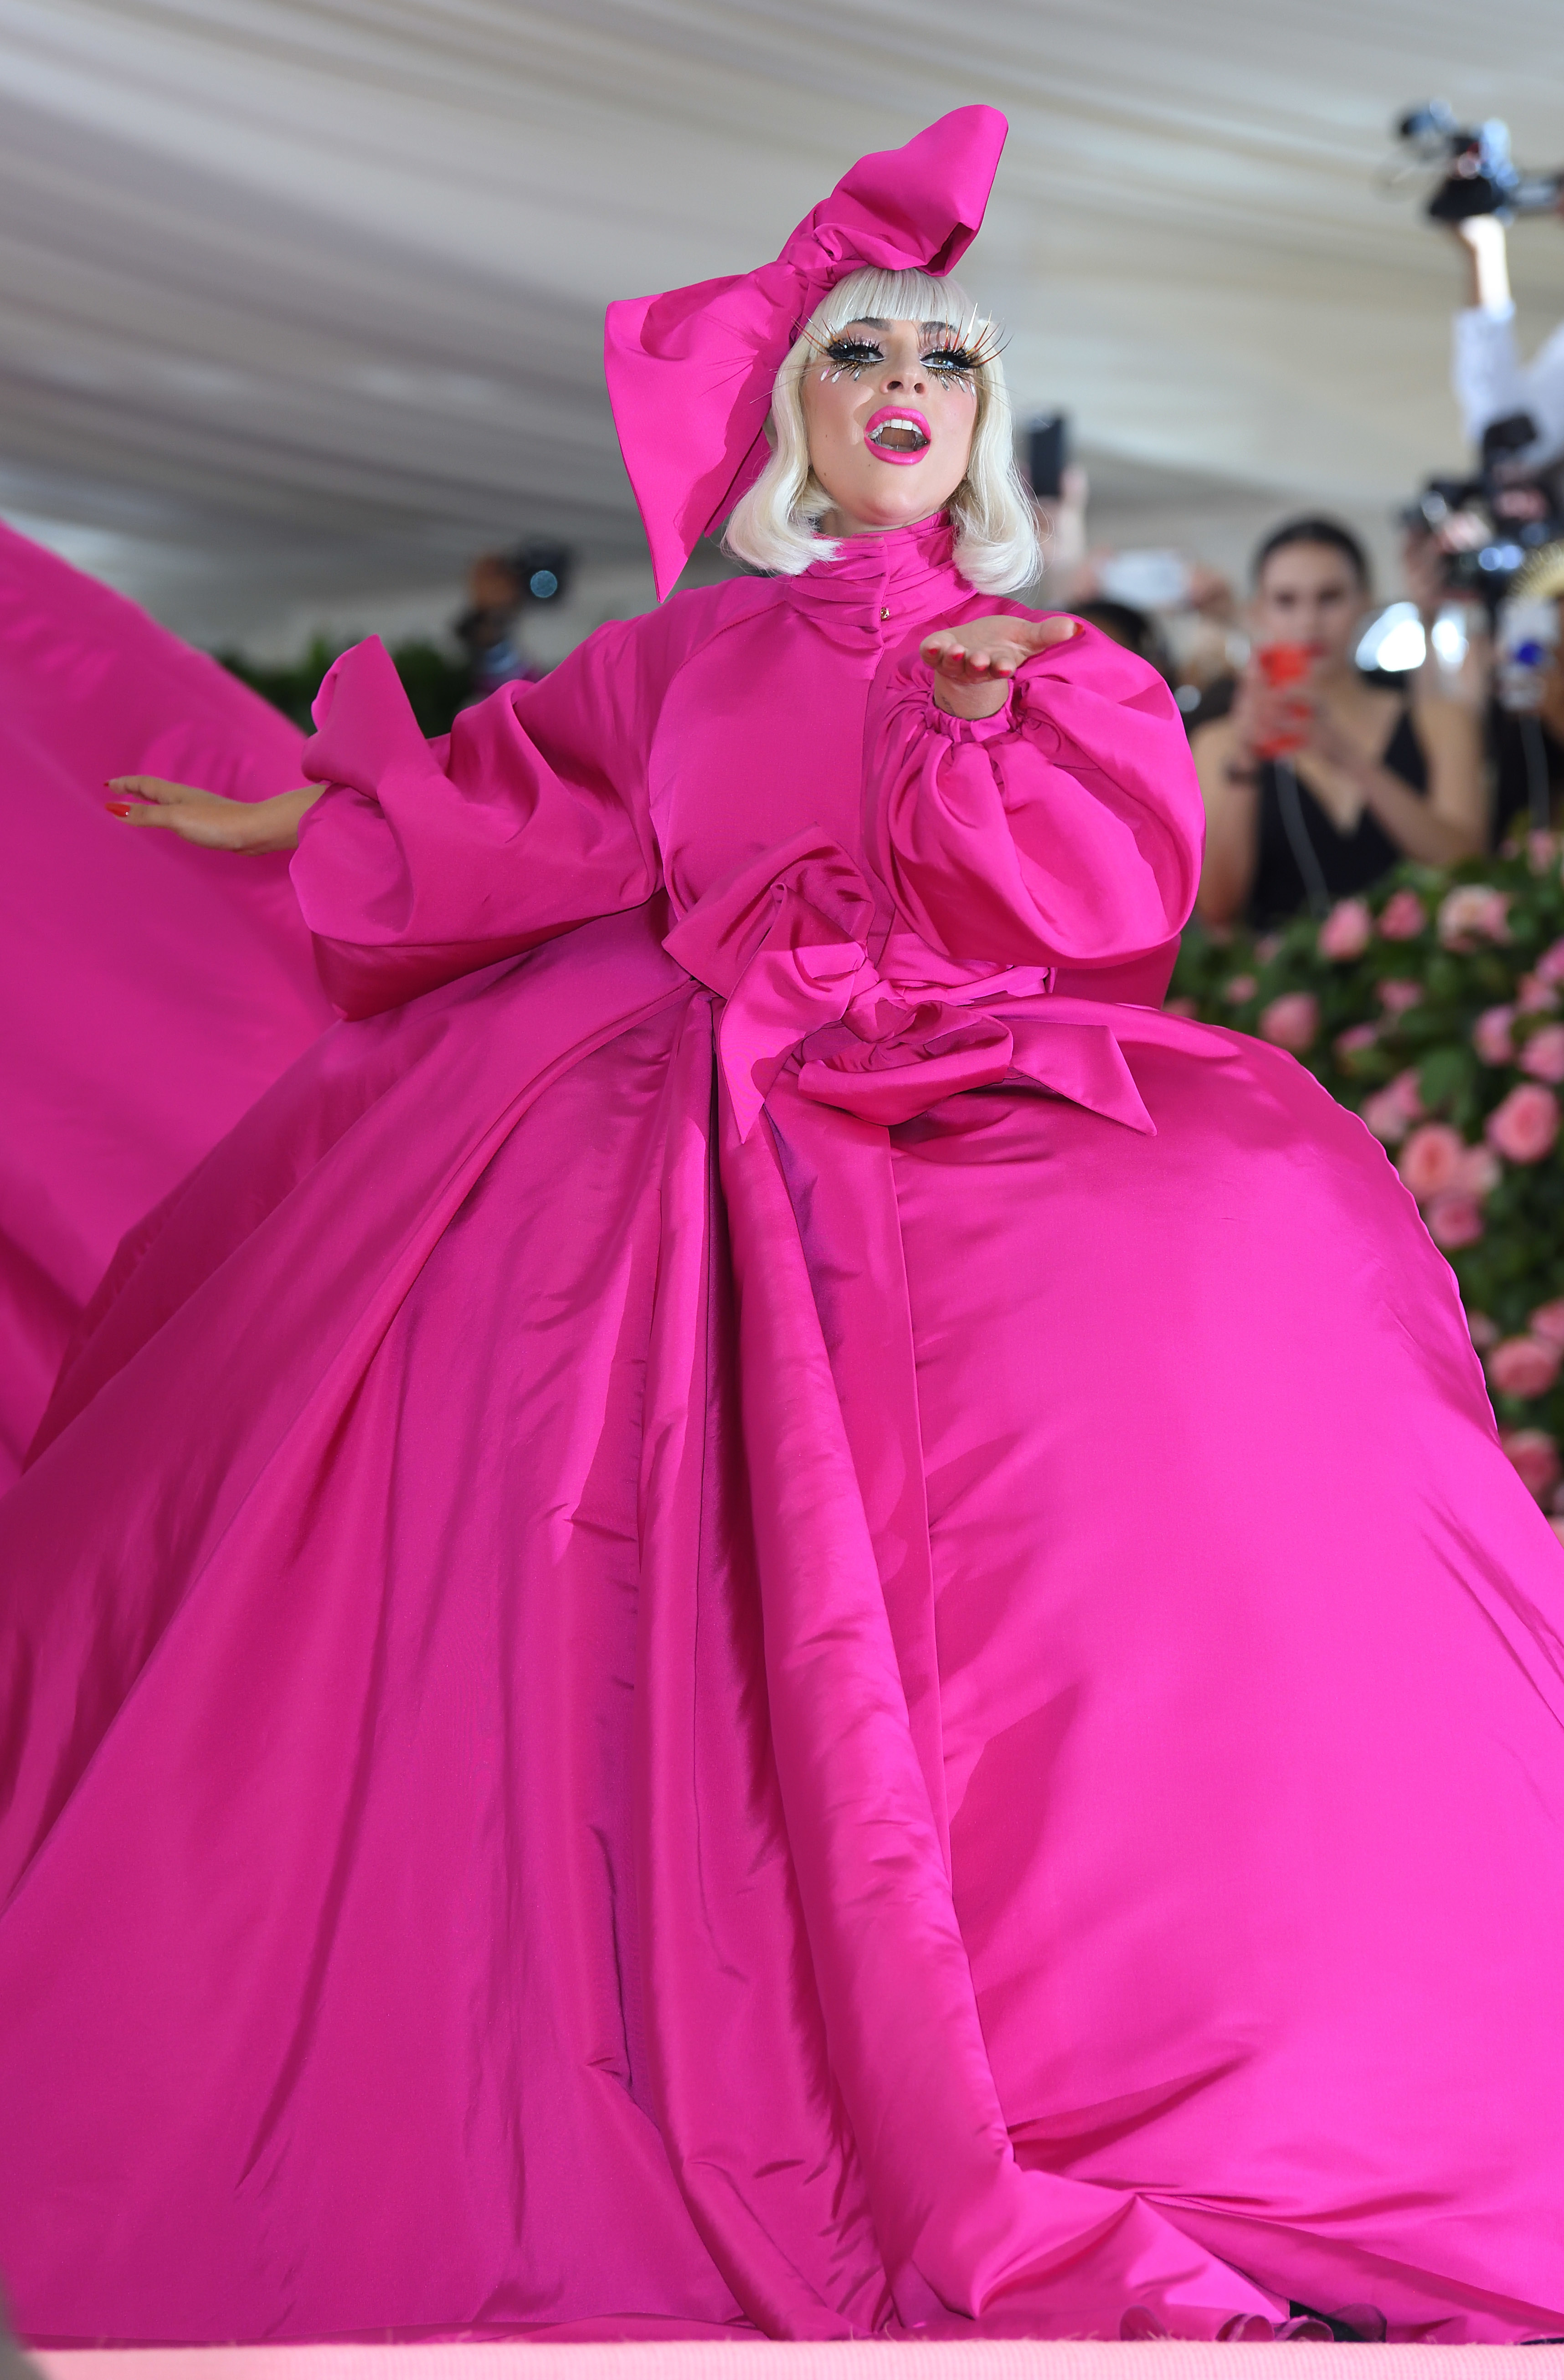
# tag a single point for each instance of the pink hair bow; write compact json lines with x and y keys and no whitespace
{"x":690,"y":373}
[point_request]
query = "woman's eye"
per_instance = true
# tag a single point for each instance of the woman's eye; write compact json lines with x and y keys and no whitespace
{"x":958,"y":362}
{"x":848,"y":352}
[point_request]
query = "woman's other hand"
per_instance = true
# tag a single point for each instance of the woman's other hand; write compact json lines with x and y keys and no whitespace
{"x":973,"y":664}
{"x":211,"y":819}
{"x":1268,"y":719}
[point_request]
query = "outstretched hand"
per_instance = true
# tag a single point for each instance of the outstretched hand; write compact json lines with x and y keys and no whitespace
{"x":211,"y":819}
{"x":973,"y":663}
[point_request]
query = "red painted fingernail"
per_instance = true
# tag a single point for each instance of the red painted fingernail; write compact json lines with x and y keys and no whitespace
{"x":117,"y":809}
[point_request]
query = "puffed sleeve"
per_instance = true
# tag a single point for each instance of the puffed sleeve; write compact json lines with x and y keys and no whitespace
{"x":1064,"y":832}
{"x":425,"y":860}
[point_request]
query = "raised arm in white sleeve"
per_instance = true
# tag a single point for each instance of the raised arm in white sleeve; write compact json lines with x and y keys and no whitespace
{"x":1491,"y":382}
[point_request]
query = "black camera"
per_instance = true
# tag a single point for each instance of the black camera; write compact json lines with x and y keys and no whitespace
{"x":1481,"y":177}
{"x":1490,"y":525}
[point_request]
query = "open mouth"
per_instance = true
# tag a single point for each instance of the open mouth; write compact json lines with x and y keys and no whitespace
{"x":895,"y":436}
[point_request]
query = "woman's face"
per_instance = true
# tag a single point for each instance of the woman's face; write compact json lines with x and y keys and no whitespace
{"x":890,"y":408}
{"x":1309,"y":595}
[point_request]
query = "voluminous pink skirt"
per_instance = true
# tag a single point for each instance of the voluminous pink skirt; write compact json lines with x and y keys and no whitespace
{"x":948,"y":1727}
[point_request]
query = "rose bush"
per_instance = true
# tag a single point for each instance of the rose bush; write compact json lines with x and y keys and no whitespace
{"x":1434,"y":1006}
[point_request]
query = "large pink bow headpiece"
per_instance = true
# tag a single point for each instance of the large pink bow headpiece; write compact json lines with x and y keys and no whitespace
{"x":690,"y":373}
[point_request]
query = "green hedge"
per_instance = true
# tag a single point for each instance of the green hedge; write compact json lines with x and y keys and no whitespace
{"x":1434,"y":1006}
{"x":436,"y":684}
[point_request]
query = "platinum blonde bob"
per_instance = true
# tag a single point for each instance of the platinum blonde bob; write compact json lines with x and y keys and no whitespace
{"x":774,"y":525}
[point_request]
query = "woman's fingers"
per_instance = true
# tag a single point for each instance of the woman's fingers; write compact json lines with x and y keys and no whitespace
{"x":1043,"y":633}
{"x":142,"y":813}
{"x":166,"y":792}
{"x":210,"y":820}
{"x":992,"y":647}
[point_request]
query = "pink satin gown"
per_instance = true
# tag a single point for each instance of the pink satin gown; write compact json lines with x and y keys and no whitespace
{"x":148,"y":997}
{"x":764,"y":1611}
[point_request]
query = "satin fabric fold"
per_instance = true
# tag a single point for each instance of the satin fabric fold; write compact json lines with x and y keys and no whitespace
{"x":695,"y":1645}
{"x":150,"y":993}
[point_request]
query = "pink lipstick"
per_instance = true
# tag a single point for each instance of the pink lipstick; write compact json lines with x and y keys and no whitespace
{"x":897,"y":434}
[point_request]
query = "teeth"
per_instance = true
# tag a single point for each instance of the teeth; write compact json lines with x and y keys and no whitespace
{"x":896,"y":422}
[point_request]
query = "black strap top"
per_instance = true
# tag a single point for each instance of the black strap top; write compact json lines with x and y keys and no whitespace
{"x":1304,"y":858}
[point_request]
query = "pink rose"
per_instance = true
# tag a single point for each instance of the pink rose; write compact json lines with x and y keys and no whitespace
{"x":1547,"y":1322}
{"x":1478,"y":1171}
{"x":1485,"y":1331}
{"x":1535,"y":1457}
{"x":1535,"y":998}
{"x":1239,"y":987}
{"x":1454,"y":1219}
{"x":1347,"y":932}
{"x":1523,"y":1367}
{"x":1542,"y":850}
{"x":1357,"y":1037}
{"x":1491,"y":1037}
{"x":1430,"y":1160}
{"x":1292,"y":1021}
{"x":1397,"y":993}
{"x":1267,"y":946}
{"x":1403,"y":916}
{"x":1388,"y":1112}
{"x":1524,"y":1126}
{"x":1406,"y":1091}
{"x":1473,"y":913}
{"x":1549,"y":968}
{"x":1384,"y":1117}
{"x":1542,"y":1055}
{"x":1180,"y":1007}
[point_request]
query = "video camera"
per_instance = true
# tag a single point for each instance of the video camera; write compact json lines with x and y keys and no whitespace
{"x":1490,"y":525}
{"x":1479,"y":175}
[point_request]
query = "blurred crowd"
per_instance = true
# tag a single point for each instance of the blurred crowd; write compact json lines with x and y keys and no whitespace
{"x":1338,"y":728}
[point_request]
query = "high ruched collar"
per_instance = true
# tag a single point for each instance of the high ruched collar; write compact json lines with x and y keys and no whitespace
{"x":881,"y":587}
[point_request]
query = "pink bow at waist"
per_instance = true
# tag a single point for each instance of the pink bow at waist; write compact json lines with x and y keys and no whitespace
{"x":786,"y":945}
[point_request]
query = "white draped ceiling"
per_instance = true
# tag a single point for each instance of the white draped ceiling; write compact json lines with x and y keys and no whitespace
{"x":301,"y":299}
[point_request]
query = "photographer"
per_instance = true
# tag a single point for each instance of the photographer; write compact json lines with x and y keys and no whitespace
{"x":1490,"y":380}
{"x":1314,"y":788}
{"x":500,"y":589}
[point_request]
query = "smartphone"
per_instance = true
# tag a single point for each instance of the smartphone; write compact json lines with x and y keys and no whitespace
{"x":1283,"y":666}
{"x":1046,"y":453}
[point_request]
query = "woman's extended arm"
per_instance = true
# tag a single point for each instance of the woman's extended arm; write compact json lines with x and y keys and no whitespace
{"x":415,"y":862}
{"x":211,"y":819}
{"x":1230,"y":786}
{"x":1060,"y":827}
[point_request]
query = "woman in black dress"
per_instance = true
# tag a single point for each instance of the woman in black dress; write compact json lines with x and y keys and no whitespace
{"x":1374,"y":778}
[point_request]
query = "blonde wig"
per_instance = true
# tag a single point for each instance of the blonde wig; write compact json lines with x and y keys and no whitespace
{"x":773,"y":526}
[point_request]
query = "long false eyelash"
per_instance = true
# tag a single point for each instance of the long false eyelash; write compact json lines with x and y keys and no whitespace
{"x":957,"y":360}
{"x":960,"y":358}
{"x":853,"y":356}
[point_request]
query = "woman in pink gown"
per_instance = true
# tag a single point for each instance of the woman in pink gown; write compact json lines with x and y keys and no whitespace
{"x":764,"y":1611}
